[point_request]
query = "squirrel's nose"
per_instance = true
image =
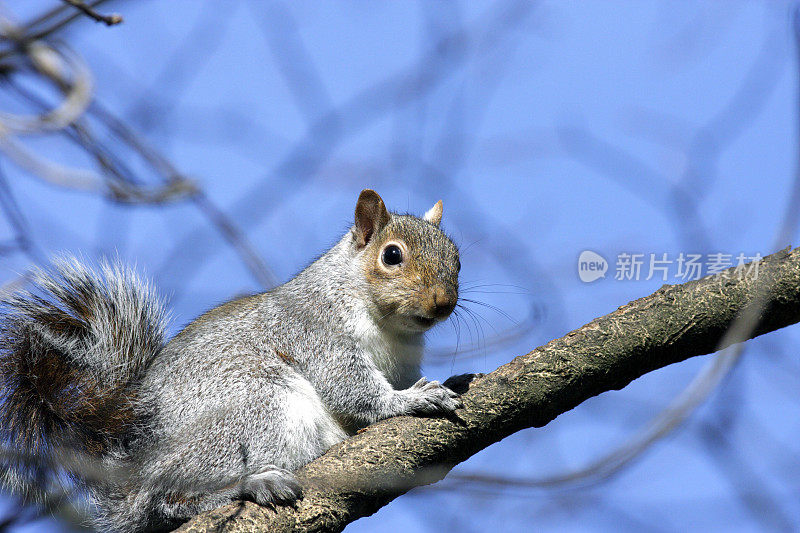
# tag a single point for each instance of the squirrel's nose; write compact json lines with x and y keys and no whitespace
{"x":443,"y":302}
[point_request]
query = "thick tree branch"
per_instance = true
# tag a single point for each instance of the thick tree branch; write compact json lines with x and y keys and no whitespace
{"x":363,"y":473}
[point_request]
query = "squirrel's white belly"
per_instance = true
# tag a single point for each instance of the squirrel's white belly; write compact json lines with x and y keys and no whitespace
{"x":310,"y":429}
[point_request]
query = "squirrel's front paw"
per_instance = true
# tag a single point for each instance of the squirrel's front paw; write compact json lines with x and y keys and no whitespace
{"x":273,"y":486}
{"x":429,"y":397}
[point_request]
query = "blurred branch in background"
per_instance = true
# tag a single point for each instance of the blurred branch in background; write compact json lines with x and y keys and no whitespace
{"x":75,"y":118}
{"x":108,"y":20}
{"x":54,"y":90}
{"x":332,"y":127}
{"x":54,"y":20}
{"x":679,"y":198}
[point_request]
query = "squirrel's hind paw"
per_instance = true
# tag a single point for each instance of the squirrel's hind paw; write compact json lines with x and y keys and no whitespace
{"x":274,"y":486}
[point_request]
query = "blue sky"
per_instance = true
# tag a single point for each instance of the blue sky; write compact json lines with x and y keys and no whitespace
{"x":547,"y":128}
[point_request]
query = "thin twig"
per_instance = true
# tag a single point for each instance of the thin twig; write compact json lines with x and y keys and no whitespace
{"x":108,"y":20}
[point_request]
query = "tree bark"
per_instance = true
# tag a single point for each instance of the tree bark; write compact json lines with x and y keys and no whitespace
{"x":360,"y":475}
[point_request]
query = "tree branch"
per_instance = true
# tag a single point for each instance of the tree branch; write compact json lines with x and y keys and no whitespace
{"x":363,"y":473}
{"x":108,"y":20}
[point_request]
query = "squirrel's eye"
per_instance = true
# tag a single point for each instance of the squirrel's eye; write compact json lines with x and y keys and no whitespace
{"x":392,"y":255}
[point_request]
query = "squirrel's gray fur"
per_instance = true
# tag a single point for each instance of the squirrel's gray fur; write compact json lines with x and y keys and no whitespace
{"x":243,"y":395}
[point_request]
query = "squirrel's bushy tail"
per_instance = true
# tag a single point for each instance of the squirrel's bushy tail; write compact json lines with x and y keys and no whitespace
{"x":72,"y":353}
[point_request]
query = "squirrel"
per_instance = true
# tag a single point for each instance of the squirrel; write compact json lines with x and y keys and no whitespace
{"x":242,"y":396}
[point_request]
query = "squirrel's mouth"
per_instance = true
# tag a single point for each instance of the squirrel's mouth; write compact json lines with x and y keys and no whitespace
{"x":424,"y":321}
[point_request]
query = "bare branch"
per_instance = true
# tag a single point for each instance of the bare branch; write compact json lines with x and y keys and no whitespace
{"x":108,"y":20}
{"x":58,"y":65}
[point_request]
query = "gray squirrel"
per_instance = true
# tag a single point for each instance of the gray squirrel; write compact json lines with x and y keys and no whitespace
{"x":243,"y":395}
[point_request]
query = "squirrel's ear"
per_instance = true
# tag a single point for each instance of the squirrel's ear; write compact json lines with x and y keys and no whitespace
{"x":434,"y":214}
{"x":371,"y":216}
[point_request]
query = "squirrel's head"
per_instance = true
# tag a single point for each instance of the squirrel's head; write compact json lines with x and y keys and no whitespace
{"x":410,"y":265}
